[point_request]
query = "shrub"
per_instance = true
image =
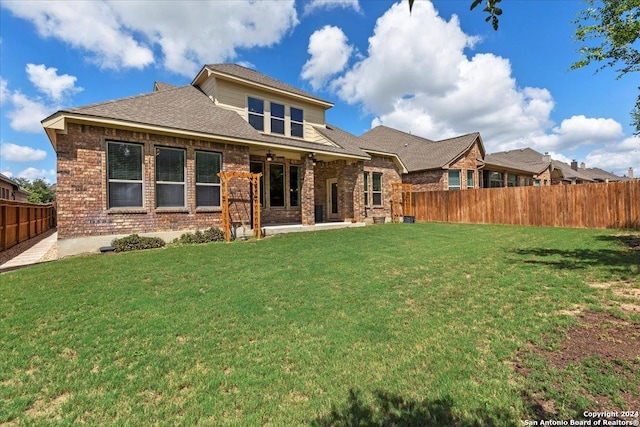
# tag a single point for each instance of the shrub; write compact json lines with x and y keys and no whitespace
{"x":135,"y":242}
{"x":210,"y":235}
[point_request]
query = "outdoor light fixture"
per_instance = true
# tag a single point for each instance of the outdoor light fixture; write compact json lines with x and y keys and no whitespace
{"x":312,"y":156}
{"x":270,"y":156}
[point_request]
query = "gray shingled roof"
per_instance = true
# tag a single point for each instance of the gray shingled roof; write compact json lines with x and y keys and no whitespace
{"x":568,"y":173}
{"x":163,"y":86}
{"x":186,"y":108}
{"x":601,"y":175}
{"x":415,"y":152}
{"x":256,"y":77}
{"x":524,"y":159}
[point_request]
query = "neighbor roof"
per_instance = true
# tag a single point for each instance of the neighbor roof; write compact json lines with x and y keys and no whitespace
{"x":524,"y":159}
{"x":415,"y":152}
{"x":568,"y":173}
{"x":253,"y":76}
{"x":601,"y":175}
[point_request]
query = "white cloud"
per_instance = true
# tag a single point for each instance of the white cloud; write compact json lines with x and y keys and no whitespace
{"x":27,"y":113}
{"x":47,"y":81}
{"x":92,"y":26}
{"x":7,"y":173}
{"x":329,"y":52}
{"x":32,"y":174}
{"x":21,"y":153}
{"x":577,"y":131}
{"x":617,"y":157}
{"x":314,"y":5}
{"x":4,"y":91}
{"x":122,"y":34}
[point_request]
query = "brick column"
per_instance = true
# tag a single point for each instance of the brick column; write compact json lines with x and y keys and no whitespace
{"x":307,"y":192}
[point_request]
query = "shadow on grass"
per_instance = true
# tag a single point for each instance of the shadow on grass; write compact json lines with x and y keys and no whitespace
{"x":615,"y":261}
{"x":392,"y":410}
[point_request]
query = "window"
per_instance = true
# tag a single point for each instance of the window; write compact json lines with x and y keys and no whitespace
{"x":454,"y":180}
{"x":258,"y":167}
{"x":377,"y":189}
{"x":207,"y":180}
{"x":256,"y":113}
{"x":170,"y":182}
{"x":366,"y":188}
{"x":536,"y":183}
{"x":297,"y":122}
{"x":512,"y":180}
{"x":277,"y":118}
{"x":294,"y":186}
{"x":493,"y":179}
{"x":124,"y":175}
{"x":469,"y":179}
{"x":276,"y":184}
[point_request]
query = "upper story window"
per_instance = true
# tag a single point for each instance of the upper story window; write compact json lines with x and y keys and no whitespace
{"x":277,"y":118}
{"x":124,"y":175}
{"x":256,"y":113}
{"x":170,"y":177}
{"x":297,"y":122}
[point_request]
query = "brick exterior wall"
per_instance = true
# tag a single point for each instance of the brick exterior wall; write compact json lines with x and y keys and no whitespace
{"x":82,"y":185}
{"x":429,"y":180}
{"x":390,"y":174}
{"x":287,"y":214}
{"x":349,"y":181}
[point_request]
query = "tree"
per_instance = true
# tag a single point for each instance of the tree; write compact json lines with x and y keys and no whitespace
{"x":615,"y":24}
{"x":40,"y":191}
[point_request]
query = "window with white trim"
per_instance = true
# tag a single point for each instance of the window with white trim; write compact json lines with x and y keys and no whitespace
{"x":124,"y":175}
{"x":170,"y":178}
{"x":454,"y":179}
{"x":376,"y":190}
{"x":277,"y":118}
{"x":256,"y":113}
{"x":297,"y":122}
{"x":208,"y":164}
{"x":470,"y":179}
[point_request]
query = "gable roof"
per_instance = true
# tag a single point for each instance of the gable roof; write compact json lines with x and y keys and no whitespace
{"x":252,"y":76}
{"x":188,"y":110}
{"x":601,"y":175}
{"x":158,"y":86}
{"x":569,"y":174}
{"x":524,"y":159}
{"x":415,"y":152}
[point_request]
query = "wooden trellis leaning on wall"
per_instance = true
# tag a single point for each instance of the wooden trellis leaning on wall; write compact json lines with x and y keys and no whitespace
{"x":255,"y":201}
{"x":401,"y":200}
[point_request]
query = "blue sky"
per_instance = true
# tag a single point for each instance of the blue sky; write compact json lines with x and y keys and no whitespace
{"x":438,"y":73}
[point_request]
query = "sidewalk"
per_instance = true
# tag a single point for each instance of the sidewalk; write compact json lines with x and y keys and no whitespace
{"x":44,"y":250}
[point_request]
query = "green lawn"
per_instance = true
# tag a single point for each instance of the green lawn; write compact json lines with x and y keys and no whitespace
{"x":412,"y":324}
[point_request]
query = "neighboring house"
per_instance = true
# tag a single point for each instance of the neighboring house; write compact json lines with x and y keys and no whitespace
{"x":148,"y":163}
{"x":518,"y":168}
{"x":597,"y":174}
{"x":449,"y":164}
{"x":11,"y":190}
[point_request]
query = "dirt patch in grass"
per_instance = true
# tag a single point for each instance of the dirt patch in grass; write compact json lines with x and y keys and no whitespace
{"x":612,"y":341}
{"x":631,"y":240}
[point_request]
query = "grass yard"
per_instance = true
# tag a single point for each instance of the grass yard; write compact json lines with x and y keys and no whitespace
{"x":401,"y":324}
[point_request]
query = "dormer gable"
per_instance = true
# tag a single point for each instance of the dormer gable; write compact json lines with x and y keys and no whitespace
{"x":269,"y":105}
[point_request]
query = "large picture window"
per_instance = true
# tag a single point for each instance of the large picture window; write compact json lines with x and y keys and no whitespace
{"x":277,"y":118}
{"x":454,"y":180}
{"x":207,"y":180}
{"x":493,"y":179}
{"x":124,"y":175}
{"x":294,"y":186}
{"x":276,"y":185}
{"x":377,"y":188}
{"x":256,"y":113}
{"x":170,"y":182}
{"x":512,"y":180}
{"x":297,"y":122}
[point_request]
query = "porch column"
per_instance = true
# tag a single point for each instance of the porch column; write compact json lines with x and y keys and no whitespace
{"x":307,"y":192}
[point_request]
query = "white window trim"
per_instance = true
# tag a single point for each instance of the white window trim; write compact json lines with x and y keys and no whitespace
{"x":251,"y":113}
{"x":292,"y":122}
{"x":281,"y":119}
{"x":454,"y":187}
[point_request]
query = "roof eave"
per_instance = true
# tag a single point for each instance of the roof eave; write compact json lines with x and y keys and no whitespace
{"x":395,"y":157}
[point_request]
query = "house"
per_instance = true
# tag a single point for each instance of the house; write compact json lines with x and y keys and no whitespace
{"x":449,"y":164}
{"x":149,"y":163}
{"x":518,"y":168}
{"x":11,"y":190}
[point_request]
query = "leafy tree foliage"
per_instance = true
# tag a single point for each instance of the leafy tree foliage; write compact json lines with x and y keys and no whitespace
{"x":39,"y":189}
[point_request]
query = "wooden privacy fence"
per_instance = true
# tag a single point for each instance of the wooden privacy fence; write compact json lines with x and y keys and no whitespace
{"x":605,"y":205}
{"x":20,"y":221}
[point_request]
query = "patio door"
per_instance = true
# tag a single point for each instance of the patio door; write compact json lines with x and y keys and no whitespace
{"x":332,"y":199}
